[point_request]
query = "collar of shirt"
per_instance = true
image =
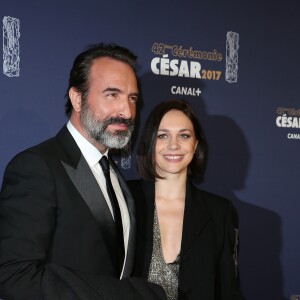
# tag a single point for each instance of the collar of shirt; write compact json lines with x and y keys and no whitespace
{"x":89,"y":151}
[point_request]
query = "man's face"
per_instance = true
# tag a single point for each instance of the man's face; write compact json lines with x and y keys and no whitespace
{"x":108,"y":112}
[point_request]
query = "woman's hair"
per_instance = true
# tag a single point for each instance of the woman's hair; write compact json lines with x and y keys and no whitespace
{"x":146,"y":164}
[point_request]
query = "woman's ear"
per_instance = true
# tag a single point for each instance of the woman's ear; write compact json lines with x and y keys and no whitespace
{"x":196,"y":146}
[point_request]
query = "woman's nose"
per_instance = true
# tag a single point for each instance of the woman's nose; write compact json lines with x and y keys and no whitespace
{"x":173,"y":144}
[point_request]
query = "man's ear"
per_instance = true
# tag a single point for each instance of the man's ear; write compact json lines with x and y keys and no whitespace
{"x":75,"y":99}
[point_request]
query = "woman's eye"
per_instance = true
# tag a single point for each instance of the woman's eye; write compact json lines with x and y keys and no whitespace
{"x":185,"y":136}
{"x":162,"y":136}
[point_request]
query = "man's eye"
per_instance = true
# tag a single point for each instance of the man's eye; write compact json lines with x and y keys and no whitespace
{"x":133,"y":98}
{"x":112,"y":95}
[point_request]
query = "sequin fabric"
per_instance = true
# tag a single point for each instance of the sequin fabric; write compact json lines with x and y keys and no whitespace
{"x":166,"y":275}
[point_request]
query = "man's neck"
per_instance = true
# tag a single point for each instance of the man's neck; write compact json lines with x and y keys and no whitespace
{"x":76,"y":124}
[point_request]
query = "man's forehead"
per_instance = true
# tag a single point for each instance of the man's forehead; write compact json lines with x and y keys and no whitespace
{"x":106,"y":61}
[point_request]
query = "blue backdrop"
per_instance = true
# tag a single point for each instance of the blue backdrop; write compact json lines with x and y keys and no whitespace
{"x":237,"y":63}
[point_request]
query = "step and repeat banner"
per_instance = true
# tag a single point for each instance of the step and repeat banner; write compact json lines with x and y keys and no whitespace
{"x":236,"y":63}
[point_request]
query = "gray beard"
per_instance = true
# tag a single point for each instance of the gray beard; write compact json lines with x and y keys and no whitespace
{"x":96,"y":129}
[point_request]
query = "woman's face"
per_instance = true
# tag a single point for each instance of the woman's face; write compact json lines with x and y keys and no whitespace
{"x":175,"y":144}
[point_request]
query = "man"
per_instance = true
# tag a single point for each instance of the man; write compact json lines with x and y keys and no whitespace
{"x":61,"y":235}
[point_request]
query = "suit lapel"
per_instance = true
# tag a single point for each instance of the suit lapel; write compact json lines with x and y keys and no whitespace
{"x":196,"y":216}
{"x":130,"y":256}
{"x":87,"y":186}
{"x":84,"y":181}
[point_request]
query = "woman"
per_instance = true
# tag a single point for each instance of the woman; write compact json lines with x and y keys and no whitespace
{"x":187,"y":238}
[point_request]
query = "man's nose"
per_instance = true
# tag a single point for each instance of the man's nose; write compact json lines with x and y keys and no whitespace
{"x":126,"y":109}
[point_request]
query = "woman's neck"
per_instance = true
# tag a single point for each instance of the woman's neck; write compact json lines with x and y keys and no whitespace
{"x":171,"y":188}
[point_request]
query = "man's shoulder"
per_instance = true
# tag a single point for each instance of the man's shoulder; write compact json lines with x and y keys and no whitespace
{"x":45,"y":150}
{"x":52,"y":142}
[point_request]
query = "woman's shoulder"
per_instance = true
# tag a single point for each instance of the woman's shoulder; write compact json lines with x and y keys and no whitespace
{"x":135,"y":185}
{"x":140,"y":183}
{"x":214,"y":197}
{"x":140,"y":187}
{"x":134,"y":182}
{"x":214,"y":201}
{"x":143,"y":194}
{"x":220,"y":208}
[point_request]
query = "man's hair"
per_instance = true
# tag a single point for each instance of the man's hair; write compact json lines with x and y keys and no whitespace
{"x":79,"y":75}
{"x":146,"y":164}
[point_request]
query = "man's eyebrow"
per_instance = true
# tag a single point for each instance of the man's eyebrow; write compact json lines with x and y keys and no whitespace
{"x":111,"y":89}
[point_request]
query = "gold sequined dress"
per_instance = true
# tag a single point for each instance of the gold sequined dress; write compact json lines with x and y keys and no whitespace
{"x":166,"y":275}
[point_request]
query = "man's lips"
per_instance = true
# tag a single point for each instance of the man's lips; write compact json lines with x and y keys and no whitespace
{"x":118,"y":126}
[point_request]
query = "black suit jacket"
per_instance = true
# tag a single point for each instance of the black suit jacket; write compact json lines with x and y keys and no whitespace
{"x":208,"y":267}
{"x":63,"y":284}
{"x":52,"y":211}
